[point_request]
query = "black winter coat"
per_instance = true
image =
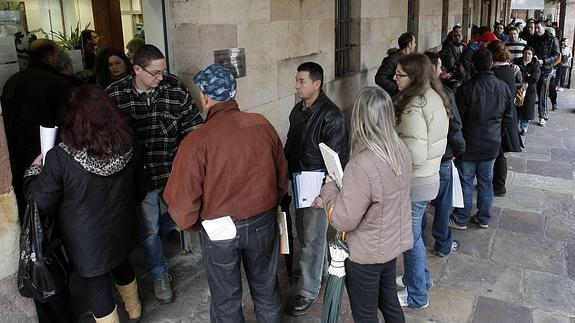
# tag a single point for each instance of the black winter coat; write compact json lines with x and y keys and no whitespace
{"x":485,"y":106}
{"x":531,"y":73}
{"x":510,"y":138}
{"x":95,"y":203}
{"x":30,"y":98}
{"x":546,"y":48}
{"x":322,"y":122}
{"x":386,"y":72}
{"x":455,"y":141}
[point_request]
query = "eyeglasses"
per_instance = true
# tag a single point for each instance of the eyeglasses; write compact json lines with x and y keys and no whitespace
{"x":156,"y":74}
{"x":397,"y":74}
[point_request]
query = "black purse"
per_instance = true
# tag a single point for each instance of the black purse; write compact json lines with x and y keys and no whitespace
{"x":43,"y":268}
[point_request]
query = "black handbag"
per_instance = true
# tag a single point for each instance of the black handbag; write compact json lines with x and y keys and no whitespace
{"x":43,"y":268}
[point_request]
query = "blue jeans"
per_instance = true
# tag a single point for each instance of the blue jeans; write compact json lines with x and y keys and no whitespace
{"x":153,"y":227}
{"x":483,"y":169}
{"x":311,"y":225}
{"x":416,"y":278}
{"x":256,"y":246}
{"x":443,"y":206}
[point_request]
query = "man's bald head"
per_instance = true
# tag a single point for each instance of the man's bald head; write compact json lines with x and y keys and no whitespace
{"x":44,"y":51}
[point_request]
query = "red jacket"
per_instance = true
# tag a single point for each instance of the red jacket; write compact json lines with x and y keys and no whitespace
{"x":232,"y":165}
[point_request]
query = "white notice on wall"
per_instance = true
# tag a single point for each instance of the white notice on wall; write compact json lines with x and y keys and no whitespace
{"x":76,"y":58}
{"x":7,"y":50}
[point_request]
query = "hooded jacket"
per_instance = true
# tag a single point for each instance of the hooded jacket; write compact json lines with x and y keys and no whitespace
{"x":385,"y":73}
{"x":373,"y":207}
{"x":546,"y":48}
{"x":485,"y":105}
{"x":423,"y":128}
{"x":95,"y":203}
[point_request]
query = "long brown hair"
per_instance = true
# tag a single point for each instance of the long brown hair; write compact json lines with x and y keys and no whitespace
{"x":419,"y":69}
{"x":91,"y":120}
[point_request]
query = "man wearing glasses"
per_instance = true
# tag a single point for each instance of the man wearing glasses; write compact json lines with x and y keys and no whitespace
{"x":161,"y":112}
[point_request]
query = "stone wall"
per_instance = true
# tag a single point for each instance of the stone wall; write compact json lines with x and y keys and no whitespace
{"x":455,"y":14}
{"x":277,"y":36}
{"x":429,"y":33}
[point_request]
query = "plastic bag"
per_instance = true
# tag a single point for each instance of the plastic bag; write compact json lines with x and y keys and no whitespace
{"x":457,"y":192}
{"x":43,"y":267}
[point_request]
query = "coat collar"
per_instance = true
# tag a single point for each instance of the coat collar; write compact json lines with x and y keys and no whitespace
{"x":222,"y":107}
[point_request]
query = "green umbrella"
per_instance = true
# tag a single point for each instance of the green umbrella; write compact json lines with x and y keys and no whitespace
{"x":336,"y":279}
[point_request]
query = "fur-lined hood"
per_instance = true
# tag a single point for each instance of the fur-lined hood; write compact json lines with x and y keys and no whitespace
{"x":98,"y":165}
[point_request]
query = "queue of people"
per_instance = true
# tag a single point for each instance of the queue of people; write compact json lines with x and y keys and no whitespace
{"x":137,"y":157}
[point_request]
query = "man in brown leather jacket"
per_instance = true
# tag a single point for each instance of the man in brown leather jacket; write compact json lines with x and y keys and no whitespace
{"x":232,"y":166}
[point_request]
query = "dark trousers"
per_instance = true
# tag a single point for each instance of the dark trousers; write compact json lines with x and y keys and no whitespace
{"x":372,"y":287}
{"x":500,"y":172}
{"x":256,"y":245}
{"x":100,"y":288}
{"x":542,"y":93}
{"x":562,"y":75}
{"x":553,"y":82}
{"x":55,"y":309}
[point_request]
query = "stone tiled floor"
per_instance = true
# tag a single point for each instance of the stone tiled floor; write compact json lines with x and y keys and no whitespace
{"x":521,"y":269}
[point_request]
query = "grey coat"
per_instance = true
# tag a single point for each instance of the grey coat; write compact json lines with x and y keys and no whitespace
{"x":373,"y":207}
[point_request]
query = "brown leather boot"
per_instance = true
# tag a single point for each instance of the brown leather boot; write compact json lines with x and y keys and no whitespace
{"x":131,"y":300}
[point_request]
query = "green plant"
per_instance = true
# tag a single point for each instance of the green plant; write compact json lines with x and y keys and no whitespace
{"x":70,"y":42}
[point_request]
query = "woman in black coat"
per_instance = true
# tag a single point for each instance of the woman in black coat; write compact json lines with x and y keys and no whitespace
{"x":530,"y":70}
{"x":92,"y":182}
{"x":510,"y":139}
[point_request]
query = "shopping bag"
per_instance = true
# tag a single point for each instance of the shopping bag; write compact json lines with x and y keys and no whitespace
{"x":43,"y":267}
{"x":457,"y":192}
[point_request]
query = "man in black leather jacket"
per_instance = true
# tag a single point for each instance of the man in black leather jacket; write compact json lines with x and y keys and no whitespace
{"x":546,"y":49}
{"x":313,"y":120}
{"x":385,"y":73}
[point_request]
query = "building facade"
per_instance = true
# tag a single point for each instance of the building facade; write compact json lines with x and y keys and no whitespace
{"x":349,"y":38}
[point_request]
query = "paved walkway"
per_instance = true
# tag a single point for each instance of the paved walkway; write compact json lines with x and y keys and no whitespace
{"x":521,"y":269}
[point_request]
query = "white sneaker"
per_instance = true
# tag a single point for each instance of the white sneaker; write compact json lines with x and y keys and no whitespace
{"x":542,"y":122}
{"x":402,"y":297}
{"x":399,"y":281}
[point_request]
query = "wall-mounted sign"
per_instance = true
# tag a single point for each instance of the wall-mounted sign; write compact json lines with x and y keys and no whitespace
{"x":232,"y":58}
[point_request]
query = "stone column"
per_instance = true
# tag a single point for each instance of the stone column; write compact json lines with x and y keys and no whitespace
{"x":13,"y":307}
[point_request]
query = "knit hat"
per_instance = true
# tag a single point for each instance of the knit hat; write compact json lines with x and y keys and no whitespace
{"x":217,"y":82}
{"x":488,"y":37}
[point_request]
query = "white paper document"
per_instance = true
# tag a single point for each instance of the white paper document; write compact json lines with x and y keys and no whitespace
{"x":218,"y":229}
{"x":47,"y":139}
{"x":284,"y":234}
{"x":332,"y":163}
{"x":306,"y":187}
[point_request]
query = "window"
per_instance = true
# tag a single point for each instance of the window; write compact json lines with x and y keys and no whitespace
{"x":342,"y":37}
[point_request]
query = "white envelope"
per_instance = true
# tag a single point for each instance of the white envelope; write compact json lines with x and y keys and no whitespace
{"x":218,"y":229}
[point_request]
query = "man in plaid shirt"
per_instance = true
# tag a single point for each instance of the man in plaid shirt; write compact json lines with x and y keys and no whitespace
{"x":161,"y":111}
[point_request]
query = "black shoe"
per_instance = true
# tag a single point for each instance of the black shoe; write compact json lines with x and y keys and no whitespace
{"x":554,"y":107}
{"x":299,"y":306}
{"x":499,"y":192}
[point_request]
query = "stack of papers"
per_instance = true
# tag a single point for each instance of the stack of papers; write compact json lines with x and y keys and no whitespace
{"x":306,"y":186}
{"x":332,"y":163}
